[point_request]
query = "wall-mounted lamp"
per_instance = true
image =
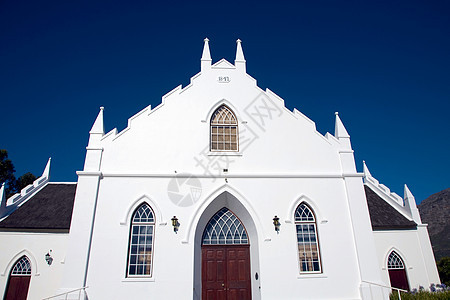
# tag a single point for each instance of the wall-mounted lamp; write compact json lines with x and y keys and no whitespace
{"x":49,"y":258}
{"x":175,"y":224}
{"x":277,"y":224}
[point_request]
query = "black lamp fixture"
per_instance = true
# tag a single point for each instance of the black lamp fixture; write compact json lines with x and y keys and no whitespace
{"x":175,"y":224}
{"x":49,"y":258}
{"x":277,"y":224}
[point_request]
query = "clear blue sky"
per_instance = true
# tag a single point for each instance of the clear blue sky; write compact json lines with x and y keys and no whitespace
{"x":384,"y":65}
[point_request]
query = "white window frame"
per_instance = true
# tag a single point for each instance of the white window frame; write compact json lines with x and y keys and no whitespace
{"x":216,"y":125}
{"x":310,"y":221}
{"x":148,"y":225}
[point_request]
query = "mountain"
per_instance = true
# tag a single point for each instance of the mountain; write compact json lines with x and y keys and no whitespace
{"x":435,"y":211}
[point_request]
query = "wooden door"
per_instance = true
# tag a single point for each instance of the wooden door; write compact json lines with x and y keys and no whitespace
{"x":18,"y":288}
{"x":226,"y":272}
{"x":238,"y":273}
{"x":398,"y":279}
{"x":214,"y":272}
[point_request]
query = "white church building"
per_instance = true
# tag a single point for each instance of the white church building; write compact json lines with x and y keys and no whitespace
{"x":219,"y":192}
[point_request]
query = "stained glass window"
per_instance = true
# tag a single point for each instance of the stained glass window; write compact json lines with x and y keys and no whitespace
{"x":308,"y":245}
{"x":141,"y":242}
{"x":22,"y":267}
{"x":224,"y":228}
{"x":224,"y":130}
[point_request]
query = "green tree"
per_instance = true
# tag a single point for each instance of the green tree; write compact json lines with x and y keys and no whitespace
{"x":444,"y":270}
{"x":23,"y":181}
{"x":7,"y":170}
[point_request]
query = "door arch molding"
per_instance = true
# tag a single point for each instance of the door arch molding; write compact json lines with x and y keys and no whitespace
{"x":192,"y":226}
{"x":15,"y":258}
{"x":399,"y":252}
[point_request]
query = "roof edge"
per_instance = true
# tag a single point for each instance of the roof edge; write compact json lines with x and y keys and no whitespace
{"x":9,"y":205}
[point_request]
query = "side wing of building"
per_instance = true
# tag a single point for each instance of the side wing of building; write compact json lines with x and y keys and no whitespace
{"x":33,"y":239}
{"x":405,"y":255}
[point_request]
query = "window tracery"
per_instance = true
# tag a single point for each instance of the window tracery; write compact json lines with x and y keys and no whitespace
{"x":224,"y":228}
{"x":224,"y":130}
{"x":395,"y":261}
{"x":22,"y":267}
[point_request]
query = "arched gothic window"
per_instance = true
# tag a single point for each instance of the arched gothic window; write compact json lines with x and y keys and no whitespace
{"x":397,"y":271}
{"x":22,"y":267}
{"x":19,"y":280}
{"x":224,"y":130}
{"x":140,"y":251}
{"x":224,"y":228}
{"x":394,"y":261}
{"x":308,"y":245}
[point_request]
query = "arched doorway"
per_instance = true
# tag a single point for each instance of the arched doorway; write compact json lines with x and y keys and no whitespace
{"x":225,"y":258}
{"x":397,"y":272}
{"x":19,"y":280}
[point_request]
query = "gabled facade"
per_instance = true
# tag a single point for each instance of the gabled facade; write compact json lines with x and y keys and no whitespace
{"x":220,"y":191}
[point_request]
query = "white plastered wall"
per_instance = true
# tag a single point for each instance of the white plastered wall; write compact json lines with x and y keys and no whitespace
{"x":175,"y":262}
{"x":281,"y":159}
{"x":415,"y":250}
{"x":45,"y":279}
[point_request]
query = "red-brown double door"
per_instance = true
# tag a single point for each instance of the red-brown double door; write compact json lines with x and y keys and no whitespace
{"x":226,"y":272}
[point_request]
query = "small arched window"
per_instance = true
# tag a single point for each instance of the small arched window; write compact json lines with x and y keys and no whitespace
{"x":397,"y":271}
{"x":140,"y":253}
{"x":224,"y":130}
{"x":19,"y":280}
{"x":308,"y":245}
{"x":22,"y":267}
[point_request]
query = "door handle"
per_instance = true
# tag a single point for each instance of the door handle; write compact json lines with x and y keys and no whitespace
{"x":223,"y":284}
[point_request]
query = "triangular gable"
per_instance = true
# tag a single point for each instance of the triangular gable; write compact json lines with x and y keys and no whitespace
{"x":223,"y":64}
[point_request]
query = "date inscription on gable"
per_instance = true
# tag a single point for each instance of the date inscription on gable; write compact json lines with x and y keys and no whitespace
{"x":223,"y":79}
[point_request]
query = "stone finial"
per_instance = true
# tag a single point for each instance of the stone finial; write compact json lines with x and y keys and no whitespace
{"x":46,"y":172}
{"x":239,"y":62}
{"x":410,"y":204}
{"x":98,"y":127}
{"x":206,"y":56}
{"x":407,"y":193}
{"x":366,"y":170}
{"x":239,"y":53}
{"x":339,"y":128}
